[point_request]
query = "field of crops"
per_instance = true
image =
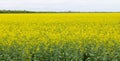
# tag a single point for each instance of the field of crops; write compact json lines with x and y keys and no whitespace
{"x":60,"y":37}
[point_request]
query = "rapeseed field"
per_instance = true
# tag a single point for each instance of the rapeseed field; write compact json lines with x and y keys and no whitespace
{"x":60,"y":37}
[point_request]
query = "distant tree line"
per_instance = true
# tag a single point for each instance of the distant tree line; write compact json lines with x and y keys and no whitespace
{"x":25,"y":11}
{"x":16,"y":11}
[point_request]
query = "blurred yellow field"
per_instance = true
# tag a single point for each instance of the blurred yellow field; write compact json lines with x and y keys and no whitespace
{"x":60,"y":37}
